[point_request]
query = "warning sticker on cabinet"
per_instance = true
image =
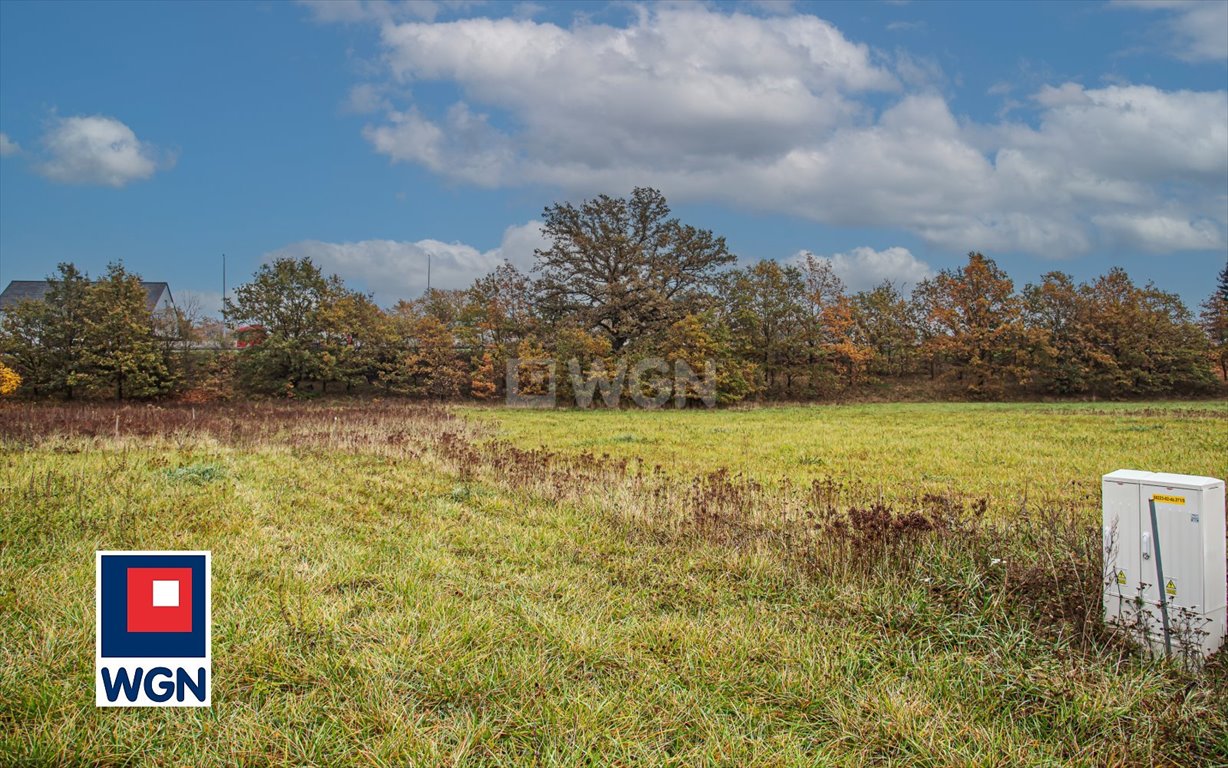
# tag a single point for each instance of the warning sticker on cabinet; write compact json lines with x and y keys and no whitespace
{"x":1121,"y":576}
{"x":1170,"y":587}
{"x":1161,"y":498}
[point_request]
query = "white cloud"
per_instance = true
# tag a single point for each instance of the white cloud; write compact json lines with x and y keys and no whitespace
{"x":97,"y":150}
{"x":682,"y":82}
{"x":1135,"y":132}
{"x":464,"y":146}
{"x":787,"y":115}
{"x":8,"y":146}
{"x":1195,"y":30}
{"x":409,"y":136}
{"x":395,"y":269}
{"x":519,"y":243}
{"x":1159,"y":233}
{"x":865,"y":268}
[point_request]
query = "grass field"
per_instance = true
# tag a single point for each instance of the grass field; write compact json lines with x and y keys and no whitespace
{"x":396,"y":585}
{"x":1009,"y":453}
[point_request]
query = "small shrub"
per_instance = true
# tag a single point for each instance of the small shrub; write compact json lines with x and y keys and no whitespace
{"x":9,"y":380}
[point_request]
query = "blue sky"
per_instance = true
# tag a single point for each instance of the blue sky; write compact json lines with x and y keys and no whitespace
{"x":889,"y":137}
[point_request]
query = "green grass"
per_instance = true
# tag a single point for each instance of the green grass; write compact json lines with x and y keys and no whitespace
{"x":377,"y":603}
{"x":1046,"y":453}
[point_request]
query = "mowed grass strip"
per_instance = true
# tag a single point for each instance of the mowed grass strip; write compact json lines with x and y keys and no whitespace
{"x":376,"y":609}
{"x":1039,"y":453}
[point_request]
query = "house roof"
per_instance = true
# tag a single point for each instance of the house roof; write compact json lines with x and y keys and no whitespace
{"x":20,"y":290}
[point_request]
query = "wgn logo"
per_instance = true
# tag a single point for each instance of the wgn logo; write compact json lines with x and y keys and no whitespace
{"x":153,"y":634}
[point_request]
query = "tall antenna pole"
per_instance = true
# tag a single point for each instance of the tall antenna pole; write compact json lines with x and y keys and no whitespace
{"x":223,"y":295}
{"x":428,"y":273}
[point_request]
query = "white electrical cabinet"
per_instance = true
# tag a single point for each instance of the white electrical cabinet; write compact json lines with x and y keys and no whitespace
{"x":1186,"y":542}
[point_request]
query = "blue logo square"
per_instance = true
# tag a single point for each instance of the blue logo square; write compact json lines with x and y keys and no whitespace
{"x":116,"y":639}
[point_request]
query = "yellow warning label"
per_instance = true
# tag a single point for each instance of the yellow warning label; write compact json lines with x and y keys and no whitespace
{"x":1160,"y":498}
{"x":1121,"y":576}
{"x":1170,"y":588}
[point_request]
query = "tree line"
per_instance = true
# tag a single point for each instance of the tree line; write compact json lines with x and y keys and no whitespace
{"x":95,"y":338}
{"x":620,"y":281}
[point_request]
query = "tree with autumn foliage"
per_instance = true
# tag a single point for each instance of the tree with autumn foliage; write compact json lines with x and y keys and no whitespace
{"x":498,"y":313}
{"x":710,"y":371}
{"x":584,"y":360}
{"x":429,"y":367}
{"x":822,"y":291}
{"x":532,"y":368}
{"x":358,"y":341}
{"x":9,"y":380}
{"x":624,"y":267}
{"x":1142,"y":341}
{"x":976,"y":326}
{"x":482,"y":382}
{"x":847,"y":343}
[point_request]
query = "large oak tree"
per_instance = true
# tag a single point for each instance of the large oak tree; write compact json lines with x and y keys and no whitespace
{"x":624,"y":267}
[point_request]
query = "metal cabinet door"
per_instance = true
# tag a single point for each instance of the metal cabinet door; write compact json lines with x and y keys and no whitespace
{"x":1179,"y":529}
{"x":1122,"y":569}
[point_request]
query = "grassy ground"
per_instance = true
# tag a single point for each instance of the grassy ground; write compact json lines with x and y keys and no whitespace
{"x":1044,"y":453}
{"x":387,"y":591}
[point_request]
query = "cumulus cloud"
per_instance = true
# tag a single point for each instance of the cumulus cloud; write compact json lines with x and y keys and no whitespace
{"x":1137,"y":133}
{"x":865,"y":268}
{"x":463,"y":146}
{"x":97,"y":150}
{"x":8,"y":146}
{"x":785,"y":114}
{"x":682,"y":82}
{"x":1160,"y":233}
{"x":396,"y":269}
{"x":1196,"y":30}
